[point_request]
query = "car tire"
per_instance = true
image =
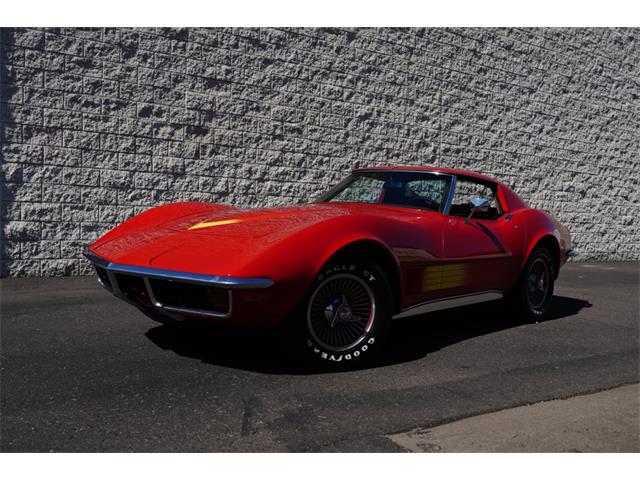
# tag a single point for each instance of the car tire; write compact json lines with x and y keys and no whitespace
{"x":532,"y":294}
{"x":345,"y":317}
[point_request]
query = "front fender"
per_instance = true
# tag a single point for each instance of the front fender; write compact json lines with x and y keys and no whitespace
{"x":294,"y":262}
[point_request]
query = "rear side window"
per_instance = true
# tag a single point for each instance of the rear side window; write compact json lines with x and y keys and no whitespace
{"x":468,"y":189}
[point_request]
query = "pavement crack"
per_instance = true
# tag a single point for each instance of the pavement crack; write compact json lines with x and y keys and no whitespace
{"x":248,"y":412}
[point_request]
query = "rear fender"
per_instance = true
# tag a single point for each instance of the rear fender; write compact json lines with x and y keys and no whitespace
{"x":541,"y":227}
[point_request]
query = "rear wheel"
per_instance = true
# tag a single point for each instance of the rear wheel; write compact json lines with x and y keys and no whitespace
{"x":345,"y":317}
{"x":533,"y":292}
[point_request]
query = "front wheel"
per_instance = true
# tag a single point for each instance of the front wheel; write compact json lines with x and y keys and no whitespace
{"x":346,"y":315}
{"x":533,"y":292}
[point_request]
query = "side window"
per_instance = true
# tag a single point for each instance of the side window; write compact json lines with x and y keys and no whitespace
{"x":465,"y":191}
{"x":429,"y":192}
{"x":430,"y":189}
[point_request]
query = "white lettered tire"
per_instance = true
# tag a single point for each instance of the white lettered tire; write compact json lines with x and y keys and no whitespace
{"x":345,"y":317}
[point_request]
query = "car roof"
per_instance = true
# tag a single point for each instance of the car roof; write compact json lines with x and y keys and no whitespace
{"x":410,"y":168}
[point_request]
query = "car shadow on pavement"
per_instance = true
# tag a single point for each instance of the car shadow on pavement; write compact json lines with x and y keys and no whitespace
{"x":411,"y":338}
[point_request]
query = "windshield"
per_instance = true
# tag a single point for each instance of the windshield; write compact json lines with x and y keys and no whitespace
{"x":424,"y":190}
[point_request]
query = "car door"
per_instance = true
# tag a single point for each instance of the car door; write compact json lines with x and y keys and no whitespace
{"x":482,"y":252}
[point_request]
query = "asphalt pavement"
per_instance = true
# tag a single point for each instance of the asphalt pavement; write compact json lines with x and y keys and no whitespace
{"x":83,"y":371}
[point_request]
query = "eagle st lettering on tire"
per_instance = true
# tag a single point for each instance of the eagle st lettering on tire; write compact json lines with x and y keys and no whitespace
{"x":347,"y":311}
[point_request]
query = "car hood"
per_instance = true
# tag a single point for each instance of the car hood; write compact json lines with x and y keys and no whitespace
{"x":221,"y":241}
{"x":252,"y":224}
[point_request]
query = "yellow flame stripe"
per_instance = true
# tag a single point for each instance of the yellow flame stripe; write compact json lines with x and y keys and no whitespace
{"x":238,"y":220}
{"x":215,"y":224}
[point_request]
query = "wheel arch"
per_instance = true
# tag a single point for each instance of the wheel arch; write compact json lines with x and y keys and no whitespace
{"x":551,"y":243}
{"x":375,"y":250}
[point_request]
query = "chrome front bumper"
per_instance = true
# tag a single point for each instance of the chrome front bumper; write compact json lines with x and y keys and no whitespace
{"x":110,"y":277}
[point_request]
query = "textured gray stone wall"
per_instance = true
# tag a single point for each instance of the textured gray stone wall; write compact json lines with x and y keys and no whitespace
{"x":99,"y":124}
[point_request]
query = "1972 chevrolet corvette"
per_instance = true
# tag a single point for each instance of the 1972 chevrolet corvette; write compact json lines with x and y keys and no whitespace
{"x":387,"y":242}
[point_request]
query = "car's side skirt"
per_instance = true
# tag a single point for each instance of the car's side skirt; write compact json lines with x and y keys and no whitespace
{"x":450,"y":302}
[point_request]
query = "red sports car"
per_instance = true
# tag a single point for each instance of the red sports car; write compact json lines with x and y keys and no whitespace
{"x":387,"y":242}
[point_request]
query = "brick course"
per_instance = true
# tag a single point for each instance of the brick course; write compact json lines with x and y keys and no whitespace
{"x":100,"y":124}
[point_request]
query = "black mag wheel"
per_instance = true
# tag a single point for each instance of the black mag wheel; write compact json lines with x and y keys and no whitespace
{"x":538,"y":283}
{"x":341,"y":312}
{"x":532,"y":293}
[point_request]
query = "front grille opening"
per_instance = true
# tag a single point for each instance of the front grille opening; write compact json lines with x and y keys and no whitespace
{"x":133,"y":288}
{"x":104,"y":278}
{"x":189,"y":295}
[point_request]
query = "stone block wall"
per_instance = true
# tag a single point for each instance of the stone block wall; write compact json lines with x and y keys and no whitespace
{"x":99,"y":124}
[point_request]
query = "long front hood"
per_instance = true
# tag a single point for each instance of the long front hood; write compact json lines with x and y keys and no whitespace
{"x":220,"y":239}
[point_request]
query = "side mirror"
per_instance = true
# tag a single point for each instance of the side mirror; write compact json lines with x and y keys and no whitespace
{"x":477,"y":205}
